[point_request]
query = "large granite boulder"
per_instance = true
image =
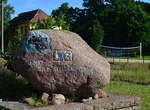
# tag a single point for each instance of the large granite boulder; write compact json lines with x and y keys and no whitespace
{"x":56,"y":61}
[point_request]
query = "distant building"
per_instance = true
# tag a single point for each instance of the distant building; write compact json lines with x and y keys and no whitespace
{"x":24,"y":20}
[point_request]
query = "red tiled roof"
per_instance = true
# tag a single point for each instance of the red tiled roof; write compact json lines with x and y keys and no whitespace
{"x":30,"y":16}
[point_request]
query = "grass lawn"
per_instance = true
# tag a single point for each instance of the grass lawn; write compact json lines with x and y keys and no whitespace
{"x":135,"y":58}
{"x":138,"y":58}
{"x":125,"y":88}
{"x":131,"y":72}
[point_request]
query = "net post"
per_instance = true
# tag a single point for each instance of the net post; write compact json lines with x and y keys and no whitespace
{"x":140,"y":50}
{"x":127,"y":59}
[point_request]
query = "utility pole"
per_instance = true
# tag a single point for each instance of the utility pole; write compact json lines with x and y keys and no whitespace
{"x":2,"y":27}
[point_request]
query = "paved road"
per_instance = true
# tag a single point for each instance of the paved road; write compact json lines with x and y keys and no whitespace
{"x":127,"y":60}
{"x":14,"y":106}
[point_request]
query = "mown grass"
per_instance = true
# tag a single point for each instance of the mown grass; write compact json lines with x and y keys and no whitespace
{"x":134,"y":58}
{"x":131,"y":72}
{"x":139,"y":58}
{"x":125,"y":88}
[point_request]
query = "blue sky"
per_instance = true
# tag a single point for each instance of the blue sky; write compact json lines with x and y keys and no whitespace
{"x":46,"y":5}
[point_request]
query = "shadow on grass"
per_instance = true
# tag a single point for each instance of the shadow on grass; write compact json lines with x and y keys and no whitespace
{"x":13,"y":86}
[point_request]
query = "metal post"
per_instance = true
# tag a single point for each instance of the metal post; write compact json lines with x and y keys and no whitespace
{"x":2,"y":27}
{"x":140,"y":50}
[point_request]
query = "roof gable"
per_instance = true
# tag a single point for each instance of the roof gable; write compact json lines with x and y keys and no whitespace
{"x":30,"y":16}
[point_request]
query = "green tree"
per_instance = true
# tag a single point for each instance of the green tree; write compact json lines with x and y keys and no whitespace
{"x":15,"y":42}
{"x":8,"y":11}
{"x":60,"y":22}
{"x":94,"y":6}
{"x":48,"y":23}
{"x":125,"y":23}
{"x":62,"y":10}
{"x":52,"y":22}
{"x":96,"y":34}
{"x":65,"y":12}
{"x":90,"y":30}
{"x":145,"y":6}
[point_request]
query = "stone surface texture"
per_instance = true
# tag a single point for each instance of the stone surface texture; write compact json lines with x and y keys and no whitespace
{"x":62,"y":63}
{"x":58,"y":99}
{"x":45,"y":97}
{"x":102,"y":94}
{"x":113,"y":102}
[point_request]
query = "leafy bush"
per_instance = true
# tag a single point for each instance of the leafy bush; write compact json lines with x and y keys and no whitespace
{"x":51,"y":23}
{"x":14,"y":42}
{"x":1,"y":54}
{"x":13,"y":85}
{"x":36,"y":101}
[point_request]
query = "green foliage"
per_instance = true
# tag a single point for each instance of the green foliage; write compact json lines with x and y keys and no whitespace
{"x":91,"y":31}
{"x":145,"y":6}
{"x":46,"y":24}
{"x":2,"y":62}
{"x":62,"y":10}
{"x":96,"y":34}
{"x":13,"y":85}
{"x":1,"y":53}
{"x":52,"y":22}
{"x":60,"y":22}
{"x":37,"y":102}
{"x":8,"y":10}
{"x":127,"y":24}
{"x":14,"y":42}
{"x":72,"y":98}
{"x":94,"y":7}
{"x":65,"y":11}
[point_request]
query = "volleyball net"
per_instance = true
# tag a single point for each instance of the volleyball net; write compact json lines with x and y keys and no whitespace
{"x":121,"y":51}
